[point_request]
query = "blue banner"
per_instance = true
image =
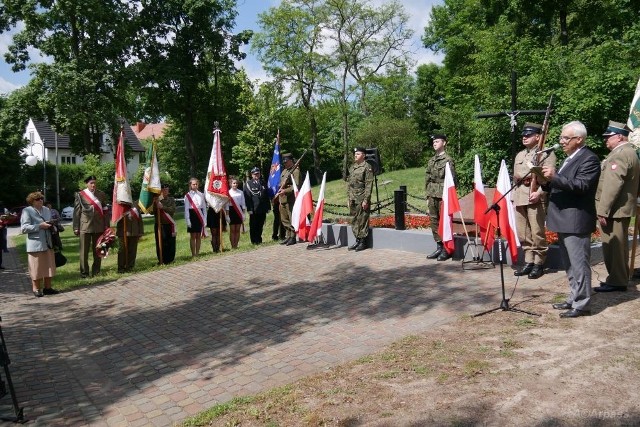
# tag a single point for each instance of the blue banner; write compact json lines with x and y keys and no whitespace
{"x":273,"y":183}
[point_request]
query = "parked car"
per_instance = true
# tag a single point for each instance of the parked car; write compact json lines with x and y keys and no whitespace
{"x":67,"y":212}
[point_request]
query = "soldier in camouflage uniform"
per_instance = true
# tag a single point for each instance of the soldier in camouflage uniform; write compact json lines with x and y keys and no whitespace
{"x":359,"y":187}
{"x":616,"y":204}
{"x":287,"y":198}
{"x":434,"y":184}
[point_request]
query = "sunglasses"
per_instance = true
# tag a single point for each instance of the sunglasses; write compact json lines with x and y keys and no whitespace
{"x":39,"y":199}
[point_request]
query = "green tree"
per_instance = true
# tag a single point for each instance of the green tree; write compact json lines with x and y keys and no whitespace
{"x":81,"y":91}
{"x":188,"y":50}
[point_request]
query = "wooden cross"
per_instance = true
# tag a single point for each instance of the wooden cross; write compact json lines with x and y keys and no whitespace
{"x":513,"y":114}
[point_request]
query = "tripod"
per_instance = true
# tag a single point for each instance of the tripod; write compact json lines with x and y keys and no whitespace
{"x":504,"y":304}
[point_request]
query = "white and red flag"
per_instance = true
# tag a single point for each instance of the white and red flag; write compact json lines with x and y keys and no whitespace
{"x":302,"y":208}
{"x":480,"y":206}
{"x":316,"y":225}
{"x":449,"y":206}
{"x":121,"y":200}
{"x":216,"y":184}
{"x":507,"y":212}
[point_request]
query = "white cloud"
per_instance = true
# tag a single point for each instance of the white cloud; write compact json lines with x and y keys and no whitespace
{"x":6,"y":86}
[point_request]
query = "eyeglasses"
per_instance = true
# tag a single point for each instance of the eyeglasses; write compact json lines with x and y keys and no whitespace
{"x":567,"y":138}
{"x":39,"y":199}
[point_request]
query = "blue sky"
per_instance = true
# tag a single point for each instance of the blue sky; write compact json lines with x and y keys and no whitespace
{"x":248,"y":11}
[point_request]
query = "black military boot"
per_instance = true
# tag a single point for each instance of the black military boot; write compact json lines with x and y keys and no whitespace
{"x":292,"y":241}
{"x":355,"y":245}
{"x":444,"y":255}
{"x":435,"y":254}
{"x":525,"y":270}
{"x":285,"y":241}
{"x":362,"y":245}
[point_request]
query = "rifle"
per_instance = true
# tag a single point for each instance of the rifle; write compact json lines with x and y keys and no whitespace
{"x":541,"y":142}
{"x":295,"y":165}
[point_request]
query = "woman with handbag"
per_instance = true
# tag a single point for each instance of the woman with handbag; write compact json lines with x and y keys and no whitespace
{"x":35,"y":222}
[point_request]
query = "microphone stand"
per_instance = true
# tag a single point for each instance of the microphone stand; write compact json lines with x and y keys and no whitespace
{"x":504,"y":304}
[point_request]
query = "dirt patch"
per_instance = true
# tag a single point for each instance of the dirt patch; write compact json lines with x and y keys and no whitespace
{"x":504,"y":368}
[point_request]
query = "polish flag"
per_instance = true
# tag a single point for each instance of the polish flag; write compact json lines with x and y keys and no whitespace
{"x":316,"y":225}
{"x":480,"y":206}
{"x":507,"y":212}
{"x":301,"y":209}
{"x":450,"y":205}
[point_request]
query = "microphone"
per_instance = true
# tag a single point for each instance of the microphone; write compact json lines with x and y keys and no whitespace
{"x":548,"y":150}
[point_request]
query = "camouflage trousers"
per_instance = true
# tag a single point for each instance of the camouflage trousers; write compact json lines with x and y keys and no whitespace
{"x":360,"y":221}
{"x":433,"y":204}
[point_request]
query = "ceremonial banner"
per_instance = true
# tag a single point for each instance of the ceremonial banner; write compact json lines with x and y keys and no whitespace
{"x":449,"y":206}
{"x":316,"y":225}
{"x":273,"y":183}
{"x":150,"y":181}
{"x":121,"y":200}
{"x":216,"y":185}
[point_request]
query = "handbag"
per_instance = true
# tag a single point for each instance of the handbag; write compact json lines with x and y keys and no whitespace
{"x":60,"y":258}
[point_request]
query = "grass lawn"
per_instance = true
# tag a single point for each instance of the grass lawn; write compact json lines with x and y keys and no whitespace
{"x":68,"y":276}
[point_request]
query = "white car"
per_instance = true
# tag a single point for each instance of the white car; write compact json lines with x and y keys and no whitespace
{"x":67,"y":213}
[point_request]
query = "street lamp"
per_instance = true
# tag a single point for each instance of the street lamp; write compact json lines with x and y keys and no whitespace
{"x":32,"y":160}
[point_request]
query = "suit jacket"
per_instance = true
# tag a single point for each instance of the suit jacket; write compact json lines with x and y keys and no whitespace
{"x":572,"y":191}
{"x":38,"y":239}
{"x":86,"y":218}
{"x":618,"y":186}
{"x":256,"y":197}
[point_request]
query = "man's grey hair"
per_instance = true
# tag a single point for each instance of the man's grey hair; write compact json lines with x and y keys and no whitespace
{"x":579,"y":129}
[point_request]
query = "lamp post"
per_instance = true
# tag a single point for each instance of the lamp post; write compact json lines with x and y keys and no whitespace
{"x":32,"y":160}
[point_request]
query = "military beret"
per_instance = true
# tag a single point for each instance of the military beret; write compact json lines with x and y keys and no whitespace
{"x":438,"y":136}
{"x":90,"y":178}
{"x":531,"y":128}
{"x":287,"y":156}
{"x":360,"y":149}
{"x":616,"y":128}
{"x":255,"y":170}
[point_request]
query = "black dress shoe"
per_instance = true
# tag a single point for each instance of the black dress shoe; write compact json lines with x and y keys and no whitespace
{"x":605,"y":287}
{"x":50,"y":291}
{"x":38,"y":293}
{"x":562,"y":306}
{"x":575,"y":313}
{"x":525,"y":270}
{"x":537,"y":271}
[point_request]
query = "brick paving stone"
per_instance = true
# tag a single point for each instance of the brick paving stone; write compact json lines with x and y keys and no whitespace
{"x":205,"y":333}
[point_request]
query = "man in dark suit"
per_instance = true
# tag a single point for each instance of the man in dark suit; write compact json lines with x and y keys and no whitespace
{"x":572,"y":214}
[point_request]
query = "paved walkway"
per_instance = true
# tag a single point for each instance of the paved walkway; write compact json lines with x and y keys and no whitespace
{"x":158,"y":347}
